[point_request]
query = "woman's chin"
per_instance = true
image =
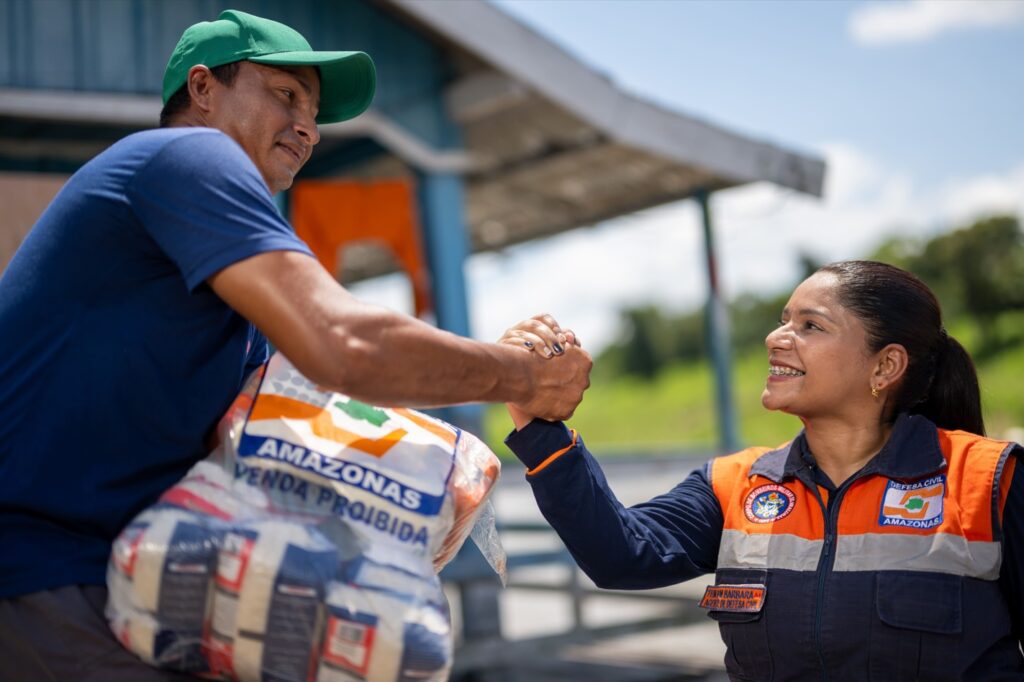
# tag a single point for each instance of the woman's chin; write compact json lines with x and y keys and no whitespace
{"x":774,"y":403}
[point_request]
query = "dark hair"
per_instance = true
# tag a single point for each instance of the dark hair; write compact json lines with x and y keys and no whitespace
{"x":896,"y":307}
{"x":180,"y":100}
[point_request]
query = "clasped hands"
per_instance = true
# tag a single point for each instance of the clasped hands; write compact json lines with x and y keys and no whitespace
{"x":562,"y":380}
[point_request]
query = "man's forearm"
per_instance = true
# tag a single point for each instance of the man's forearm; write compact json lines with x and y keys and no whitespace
{"x":385,"y":358}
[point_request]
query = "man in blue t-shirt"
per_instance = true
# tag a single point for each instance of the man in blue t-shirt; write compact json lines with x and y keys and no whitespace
{"x":145,"y":295}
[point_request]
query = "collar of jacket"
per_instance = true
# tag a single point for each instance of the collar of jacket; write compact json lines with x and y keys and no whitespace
{"x":911,"y":452}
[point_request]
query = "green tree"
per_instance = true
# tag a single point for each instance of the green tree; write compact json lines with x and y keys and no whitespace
{"x":977,"y":270}
{"x":649,"y":339}
{"x":753,"y":317}
{"x":900,"y":251}
{"x":981,"y":267}
{"x":646,"y":343}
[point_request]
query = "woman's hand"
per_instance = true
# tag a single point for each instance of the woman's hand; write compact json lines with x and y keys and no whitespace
{"x":540,"y":333}
{"x":543,"y":335}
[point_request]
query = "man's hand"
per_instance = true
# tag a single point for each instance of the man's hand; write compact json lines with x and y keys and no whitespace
{"x":562,"y":375}
{"x":560,"y":385}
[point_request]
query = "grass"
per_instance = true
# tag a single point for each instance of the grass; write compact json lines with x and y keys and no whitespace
{"x":1002,"y":397}
{"x":674,"y":411}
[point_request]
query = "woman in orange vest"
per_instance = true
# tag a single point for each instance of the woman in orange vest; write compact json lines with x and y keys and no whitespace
{"x":879,"y":544}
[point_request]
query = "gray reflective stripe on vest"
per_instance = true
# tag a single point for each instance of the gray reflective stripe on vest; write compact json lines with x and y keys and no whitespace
{"x":764,"y":550}
{"x":939,"y":552}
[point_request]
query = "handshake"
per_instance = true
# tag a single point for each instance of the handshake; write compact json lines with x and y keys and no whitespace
{"x":560,"y":378}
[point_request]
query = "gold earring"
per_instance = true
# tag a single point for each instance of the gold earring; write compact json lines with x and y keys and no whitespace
{"x":874,"y":392}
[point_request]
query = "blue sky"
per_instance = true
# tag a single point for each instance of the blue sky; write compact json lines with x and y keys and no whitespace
{"x":792,"y":72}
{"x":917,"y":107}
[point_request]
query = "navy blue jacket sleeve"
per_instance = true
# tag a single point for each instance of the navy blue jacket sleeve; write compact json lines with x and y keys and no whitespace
{"x":669,"y":539}
{"x":1011,"y":578}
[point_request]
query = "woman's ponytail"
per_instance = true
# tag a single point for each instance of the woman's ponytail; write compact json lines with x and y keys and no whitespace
{"x":953,"y":400}
{"x":896,"y":307}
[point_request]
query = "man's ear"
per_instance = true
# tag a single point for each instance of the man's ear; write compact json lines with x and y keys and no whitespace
{"x":891,"y":366}
{"x":201,"y":84}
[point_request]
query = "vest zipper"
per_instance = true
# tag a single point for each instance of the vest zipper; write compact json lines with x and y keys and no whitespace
{"x":830,"y":513}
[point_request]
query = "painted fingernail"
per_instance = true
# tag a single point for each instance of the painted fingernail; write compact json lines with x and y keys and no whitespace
{"x":528,"y":344}
{"x":558,"y":348}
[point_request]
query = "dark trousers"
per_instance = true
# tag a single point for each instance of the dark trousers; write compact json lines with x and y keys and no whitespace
{"x":60,"y":635}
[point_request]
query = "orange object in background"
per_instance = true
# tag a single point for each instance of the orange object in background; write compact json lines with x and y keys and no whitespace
{"x":329,"y":214}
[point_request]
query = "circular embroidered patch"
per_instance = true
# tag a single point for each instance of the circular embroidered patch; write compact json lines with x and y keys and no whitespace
{"x":767,"y":503}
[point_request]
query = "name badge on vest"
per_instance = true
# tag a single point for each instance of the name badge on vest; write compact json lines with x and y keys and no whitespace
{"x":734,"y":598}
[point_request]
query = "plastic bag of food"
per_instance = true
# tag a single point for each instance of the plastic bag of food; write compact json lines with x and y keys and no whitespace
{"x":307,"y":545}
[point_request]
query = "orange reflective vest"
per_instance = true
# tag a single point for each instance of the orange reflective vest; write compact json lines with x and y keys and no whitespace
{"x":890,"y":576}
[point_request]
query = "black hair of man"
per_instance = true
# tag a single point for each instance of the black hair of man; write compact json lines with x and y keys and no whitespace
{"x":180,"y":100}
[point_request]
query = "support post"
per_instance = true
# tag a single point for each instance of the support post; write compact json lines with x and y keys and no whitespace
{"x":716,"y":324}
{"x":446,"y":241}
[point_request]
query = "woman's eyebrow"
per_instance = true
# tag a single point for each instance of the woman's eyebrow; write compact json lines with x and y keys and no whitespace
{"x":817,"y":312}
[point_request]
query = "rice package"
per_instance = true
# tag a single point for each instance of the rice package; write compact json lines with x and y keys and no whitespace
{"x":306,"y":546}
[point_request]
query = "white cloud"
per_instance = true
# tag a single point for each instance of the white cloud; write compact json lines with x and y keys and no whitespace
{"x":587,"y":276}
{"x":851,"y":174}
{"x":919,"y":20}
{"x":968,"y":198}
{"x":863,"y":203}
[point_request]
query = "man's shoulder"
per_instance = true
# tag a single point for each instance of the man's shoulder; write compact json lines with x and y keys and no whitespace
{"x":158,"y":159}
{"x":149,"y":143}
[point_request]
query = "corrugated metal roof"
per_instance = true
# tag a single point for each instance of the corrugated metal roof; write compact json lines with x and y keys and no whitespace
{"x":544,"y":142}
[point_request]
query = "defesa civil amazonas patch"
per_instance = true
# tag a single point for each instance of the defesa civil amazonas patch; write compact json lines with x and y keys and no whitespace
{"x":913,"y":505}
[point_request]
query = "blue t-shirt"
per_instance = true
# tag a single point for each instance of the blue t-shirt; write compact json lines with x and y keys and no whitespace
{"x":116,"y":359}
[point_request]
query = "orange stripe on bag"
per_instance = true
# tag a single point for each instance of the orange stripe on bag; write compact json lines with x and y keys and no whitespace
{"x":441,"y":432}
{"x":269,"y":406}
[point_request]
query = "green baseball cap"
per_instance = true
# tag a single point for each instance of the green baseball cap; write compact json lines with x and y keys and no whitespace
{"x":347,"y":79}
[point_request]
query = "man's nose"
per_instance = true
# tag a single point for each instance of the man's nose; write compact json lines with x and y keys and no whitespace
{"x":305,"y":126}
